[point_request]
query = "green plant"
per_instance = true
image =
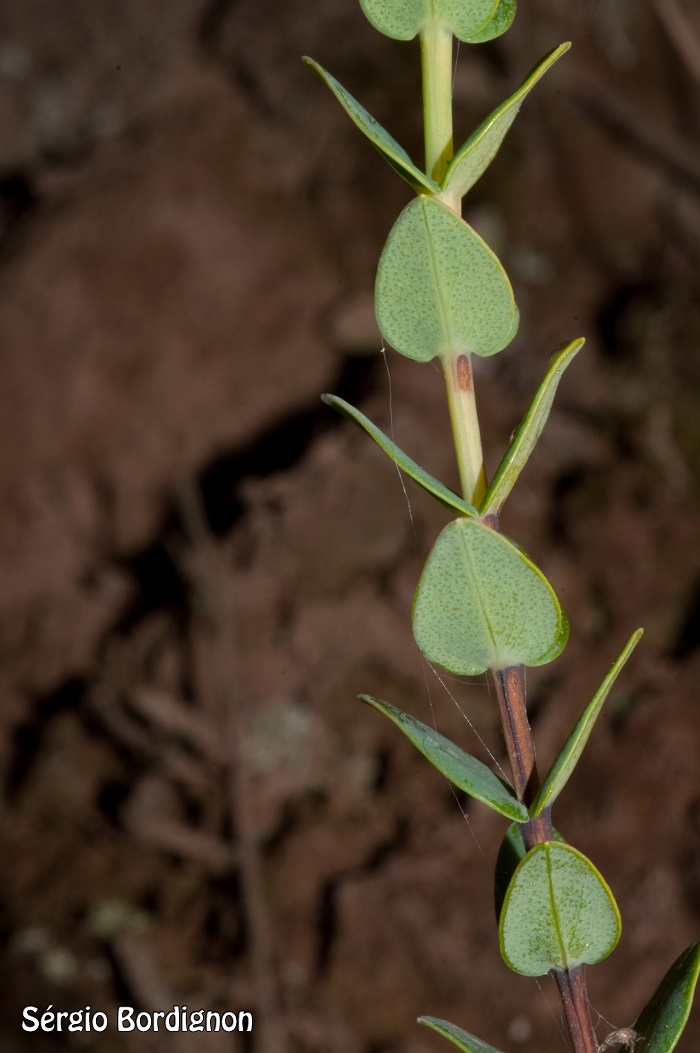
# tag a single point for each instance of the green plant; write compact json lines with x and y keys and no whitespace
{"x":482,"y":606}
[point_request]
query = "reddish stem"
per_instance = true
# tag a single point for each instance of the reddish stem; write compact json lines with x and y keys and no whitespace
{"x":510,"y":690}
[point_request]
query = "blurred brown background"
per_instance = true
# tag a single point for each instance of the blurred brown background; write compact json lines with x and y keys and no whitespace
{"x":200,"y":566}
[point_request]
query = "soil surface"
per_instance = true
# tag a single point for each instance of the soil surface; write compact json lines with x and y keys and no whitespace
{"x":201,"y":565}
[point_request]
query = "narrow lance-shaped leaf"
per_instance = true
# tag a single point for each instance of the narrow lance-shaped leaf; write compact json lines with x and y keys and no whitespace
{"x":428,"y":482}
{"x":462,"y":1039}
{"x":568,"y":758}
{"x":528,"y":431}
{"x":403,"y":19}
{"x":387,"y":146}
{"x":474,"y":157}
{"x":440,"y":289}
{"x":463,"y":770}
{"x":661,"y":1022}
{"x":558,"y":912}
{"x":500,"y":22}
{"x":482,"y":604}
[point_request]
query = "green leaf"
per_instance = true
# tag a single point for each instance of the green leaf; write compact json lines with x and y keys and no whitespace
{"x":474,"y":157}
{"x":529,"y":430}
{"x":510,"y":854}
{"x":661,"y":1022}
{"x":466,"y":1042}
{"x":440,"y":289}
{"x":428,"y":482}
{"x":570,"y":754}
{"x":501,"y":21}
{"x":558,"y":912}
{"x":482,"y":604}
{"x":463,"y":770}
{"x":387,"y":146}
{"x":403,"y":19}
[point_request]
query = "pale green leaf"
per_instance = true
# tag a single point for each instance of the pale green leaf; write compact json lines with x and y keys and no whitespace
{"x":428,"y":482}
{"x":440,"y":289}
{"x":400,"y":19}
{"x":482,"y":604}
{"x":472,"y":159}
{"x":463,"y":770}
{"x":510,"y":854}
{"x":568,"y":758}
{"x":403,"y":19}
{"x":558,"y":912}
{"x":466,"y":19}
{"x":661,"y":1022}
{"x":528,"y":431}
{"x":387,"y":146}
{"x":500,"y":22}
{"x":462,"y":1039}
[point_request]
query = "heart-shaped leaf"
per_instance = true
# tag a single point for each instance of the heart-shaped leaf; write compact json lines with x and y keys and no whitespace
{"x":568,"y":758}
{"x":428,"y":482}
{"x":501,"y":21}
{"x":482,"y":604}
{"x":462,"y":1039}
{"x":510,"y":854}
{"x":558,"y":912}
{"x":528,"y":431}
{"x":474,"y":157}
{"x":387,"y":146}
{"x":661,"y":1022}
{"x":463,"y":770}
{"x":440,"y":289}
{"x":403,"y":19}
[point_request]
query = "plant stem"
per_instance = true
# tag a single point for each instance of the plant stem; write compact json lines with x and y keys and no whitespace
{"x":459,"y":381}
{"x":574,"y":1000}
{"x":510,"y":690}
{"x":436,"y":65}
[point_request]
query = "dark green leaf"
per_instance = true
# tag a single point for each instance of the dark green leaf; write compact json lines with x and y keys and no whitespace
{"x":463,"y":770}
{"x":466,"y":1042}
{"x":387,"y":146}
{"x":570,"y":754}
{"x":529,"y":430}
{"x":433,"y":486}
{"x":472,"y":159}
{"x":661,"y":1022}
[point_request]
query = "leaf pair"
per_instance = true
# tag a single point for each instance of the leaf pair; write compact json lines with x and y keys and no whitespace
{"x":521,"y":446}
{"x":471,"y":160}
{"x":658,"y":1027}
{"x":476,"y":779}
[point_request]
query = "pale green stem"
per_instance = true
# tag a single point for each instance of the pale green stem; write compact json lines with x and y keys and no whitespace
{"x":436,"y":65}
{"x":465,"y":426}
